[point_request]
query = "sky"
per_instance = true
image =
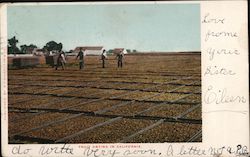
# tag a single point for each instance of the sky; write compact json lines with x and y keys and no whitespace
{"x":144,"y":27}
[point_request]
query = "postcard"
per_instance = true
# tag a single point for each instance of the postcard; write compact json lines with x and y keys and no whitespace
{"x":116,"y":79}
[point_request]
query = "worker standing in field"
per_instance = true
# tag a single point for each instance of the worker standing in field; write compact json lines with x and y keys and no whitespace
{"x":81,"y":55}
{"x":120,"y":59}
{"x":61,"y":61}
{"x":103,"y":58}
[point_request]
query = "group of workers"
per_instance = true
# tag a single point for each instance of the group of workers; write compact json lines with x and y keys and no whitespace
{"x":61,"y":59}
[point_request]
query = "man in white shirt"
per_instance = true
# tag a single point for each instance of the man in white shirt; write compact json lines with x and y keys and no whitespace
{"x":103,"y":58}
{"x":61,"y":60}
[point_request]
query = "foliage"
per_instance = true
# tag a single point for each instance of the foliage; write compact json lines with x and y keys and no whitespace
{"x":12,"y":48}
{"x":109,"y":51}
{"x":27,"y":48}
{"x":128,"y":50}
{"x":53,"y":46}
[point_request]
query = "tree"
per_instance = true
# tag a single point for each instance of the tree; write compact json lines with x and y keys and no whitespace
{"x":110,"y":51}
{"x":12,"y":48}
{"x":27,"y":48}
{"x":53,"y":46}
{"x":128,"y":50}
{"x":32,"y":46}
{"x":24,"y":48}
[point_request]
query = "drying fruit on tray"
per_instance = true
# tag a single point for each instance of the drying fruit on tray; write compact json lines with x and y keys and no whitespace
{"x":97,"y":105}
{"x":12,"y":116}
{"x":168,"y":110}
{"x":102,"y":94}
{"x":140,"y":86}
{"x":168,"y":97}
{"x":130,"y":109}
{"x":138,"y":95}
{"x":61,"y":90}
{"x":15,"y":98}
{"x":195,"y":114}
{"x":113,"y":132}
{"x":198,"y":83}
{"x":82,"y":92}
{"x":28,"y":89}
{"x":35,"y":102}
{"x":59,"y":83}
{"x":33,"y":121}
{"x":188,"y":89}
{"x":164,"y":88}
{"x":196,"y":98}
{"x":63,"y":103}
{"x":11,"y":87}
{"x":109,"y":93}
{"x":168,"y":132}
{"x":186,"y":81}
{"x":60,"y":130}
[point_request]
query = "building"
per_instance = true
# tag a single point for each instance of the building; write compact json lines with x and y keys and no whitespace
{"x":29,"y":50}
{"x":38,"y":52}
{"x":89,"y":50}
{"x":118,"y":50}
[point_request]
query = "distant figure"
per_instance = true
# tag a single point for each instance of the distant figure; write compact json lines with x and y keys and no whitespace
{"x":103,"y":58}
{"x":120,"y":59}
{"x":81,"y":58}
{"x":61,"y":60}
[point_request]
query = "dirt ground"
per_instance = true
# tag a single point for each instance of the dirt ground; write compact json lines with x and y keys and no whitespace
{"x":152,"y":98}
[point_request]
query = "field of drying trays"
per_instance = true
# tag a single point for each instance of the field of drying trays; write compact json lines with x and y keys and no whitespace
{"x":153,"y":98}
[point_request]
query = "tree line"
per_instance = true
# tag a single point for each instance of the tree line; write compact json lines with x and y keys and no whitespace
{"x":49,"y":46}
{"x":24,"y":49}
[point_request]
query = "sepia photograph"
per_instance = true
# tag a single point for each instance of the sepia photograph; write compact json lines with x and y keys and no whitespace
{"x":104,"y":73}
